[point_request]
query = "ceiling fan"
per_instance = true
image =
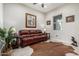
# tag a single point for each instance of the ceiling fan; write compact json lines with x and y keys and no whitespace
{"x":42,"y":4}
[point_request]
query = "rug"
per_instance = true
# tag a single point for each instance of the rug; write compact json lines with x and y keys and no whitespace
{"x":26,"y":51}
{"x":51,"y":49}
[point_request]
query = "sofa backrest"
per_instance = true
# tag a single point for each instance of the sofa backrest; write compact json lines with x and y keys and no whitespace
{"x":24,"y":32}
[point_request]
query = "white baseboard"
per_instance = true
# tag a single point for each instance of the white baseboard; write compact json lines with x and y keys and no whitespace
{"x":59,"y":40}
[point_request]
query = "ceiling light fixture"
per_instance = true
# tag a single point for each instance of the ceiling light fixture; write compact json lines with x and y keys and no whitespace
{"x":42,"y":5}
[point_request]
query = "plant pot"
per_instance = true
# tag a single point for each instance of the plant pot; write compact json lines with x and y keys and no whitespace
{"x":6,"y":50}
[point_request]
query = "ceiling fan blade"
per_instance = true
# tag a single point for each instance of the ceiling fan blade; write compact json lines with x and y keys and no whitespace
{"x":34,"y":3}
{"x":42,"y":5}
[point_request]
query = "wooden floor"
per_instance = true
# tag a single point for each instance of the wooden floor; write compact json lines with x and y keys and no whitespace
{"x":51,"y":49}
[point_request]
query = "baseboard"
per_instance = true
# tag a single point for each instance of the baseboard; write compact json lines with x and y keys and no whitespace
{"x":59,"y":40}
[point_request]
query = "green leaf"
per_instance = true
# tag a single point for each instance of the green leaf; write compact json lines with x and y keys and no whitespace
{"x":7,"y":34}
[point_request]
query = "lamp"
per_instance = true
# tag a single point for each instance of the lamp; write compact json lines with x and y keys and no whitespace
{"x":43,"y":28}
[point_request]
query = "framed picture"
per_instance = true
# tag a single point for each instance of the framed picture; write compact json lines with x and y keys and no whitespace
{"x":70,"y":18}
{"x":30,"y":21}
{"x":48,"y":22}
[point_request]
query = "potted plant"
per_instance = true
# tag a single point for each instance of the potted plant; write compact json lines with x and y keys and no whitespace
{"x":7,"y":35}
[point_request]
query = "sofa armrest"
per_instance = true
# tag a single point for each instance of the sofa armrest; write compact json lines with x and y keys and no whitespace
{"x":43,"y":33}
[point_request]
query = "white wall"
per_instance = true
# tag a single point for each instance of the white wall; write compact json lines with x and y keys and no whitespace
{"x":14,"y":15}
{"x":69,"y":29}
{"x":1,"y":15}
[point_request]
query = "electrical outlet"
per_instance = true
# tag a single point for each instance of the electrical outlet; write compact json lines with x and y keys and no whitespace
{"x":56,"y":35}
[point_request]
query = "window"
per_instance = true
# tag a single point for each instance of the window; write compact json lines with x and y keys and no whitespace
{"x":57,"y":22}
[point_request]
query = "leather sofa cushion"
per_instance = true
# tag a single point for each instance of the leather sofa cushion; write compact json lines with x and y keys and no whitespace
{"x":35,"y":34}
{"x":23,"y":32}
{"x":35,"y":31}
{"x":24,"y":36}
{"x":28,"y":38}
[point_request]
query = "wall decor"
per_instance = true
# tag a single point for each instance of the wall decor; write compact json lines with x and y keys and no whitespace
{"x":70,"y":18}
{"x":30,"y":21}
{"x":48,"y":22}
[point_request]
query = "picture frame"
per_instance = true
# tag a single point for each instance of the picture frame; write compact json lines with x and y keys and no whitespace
{"x":70,"y":19}
{"x":48,"y":22}
{"x":30,"y":21}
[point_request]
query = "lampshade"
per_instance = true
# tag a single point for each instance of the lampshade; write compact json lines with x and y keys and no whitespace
{"x":45,"y":29}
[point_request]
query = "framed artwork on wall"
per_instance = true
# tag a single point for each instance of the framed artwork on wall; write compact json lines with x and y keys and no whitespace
{"x":48,"y":22}
{"x":70,"y":18}
{"x":30,"y":21}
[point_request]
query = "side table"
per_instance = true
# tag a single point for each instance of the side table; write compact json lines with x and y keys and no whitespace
{"x":48,"y":35}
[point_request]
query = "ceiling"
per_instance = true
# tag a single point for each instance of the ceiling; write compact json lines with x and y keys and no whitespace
{"x":48,"y":6}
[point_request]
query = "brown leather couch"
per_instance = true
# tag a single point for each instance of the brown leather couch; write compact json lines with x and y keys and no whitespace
{"x":28,"y":37}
